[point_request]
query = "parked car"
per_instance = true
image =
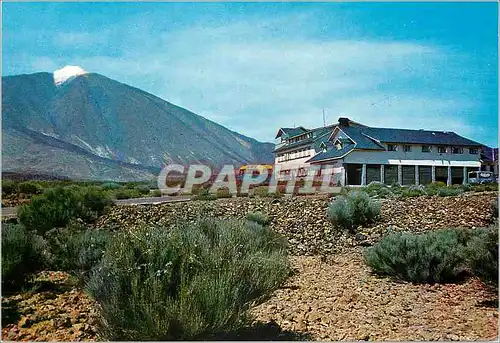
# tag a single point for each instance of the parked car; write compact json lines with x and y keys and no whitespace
{"x":481,"y":177}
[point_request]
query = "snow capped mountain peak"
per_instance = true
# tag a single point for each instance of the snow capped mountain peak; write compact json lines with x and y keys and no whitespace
{"x":67,"y":73}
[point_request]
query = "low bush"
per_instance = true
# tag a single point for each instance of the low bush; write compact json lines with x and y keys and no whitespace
{"x":449,"y":191}
{"x":434,"y":187}
{"x":414,"y":191}
{"x":30,"y":187}
{"x":353,"y":209}
{"x":494,"y":207}
{"x":487,"y":187}
{"x":466,"y":187}
{"x":204,"y":194}
{"x":378,"y":189}
{"x":9,"y":187}
{"x":23,"y":254}
{"x":77,"y":251}
{"x":95,"y":201}
{"x":142,"y":189}
{"x":57,"y":206}
{"x":189,"y":282}
{"x":258,"y":217}
{"x":127,"y":194}
{"x":436,"y":184}
{"x":111,"y":185}
{"x":435,"y":256}
{"x":156,"y":193}
{"x":482,"y":254}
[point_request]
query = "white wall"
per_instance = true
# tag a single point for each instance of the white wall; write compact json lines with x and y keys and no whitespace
{"x":413,"y":158}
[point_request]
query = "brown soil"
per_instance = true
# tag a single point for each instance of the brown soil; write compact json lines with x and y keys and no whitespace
{"x":339,"y":299}
{"x":333,"y":299}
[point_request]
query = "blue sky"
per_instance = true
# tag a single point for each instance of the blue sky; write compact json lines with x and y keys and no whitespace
{"x":256,"y":67}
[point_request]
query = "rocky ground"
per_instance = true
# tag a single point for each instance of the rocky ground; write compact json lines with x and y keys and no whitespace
{"x":303,"y":219}
{"x":331,"y":296}
{"x":339,"y":299}
{"x":54,"y":310}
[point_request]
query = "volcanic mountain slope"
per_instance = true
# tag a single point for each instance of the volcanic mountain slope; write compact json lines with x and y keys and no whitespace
{"x":89,"y":126}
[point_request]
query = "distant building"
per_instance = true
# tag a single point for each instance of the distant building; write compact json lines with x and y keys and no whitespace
{"x":489,"y":160}
{"x":361,"y":154}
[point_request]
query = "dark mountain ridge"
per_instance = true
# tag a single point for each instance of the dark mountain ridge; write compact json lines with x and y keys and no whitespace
{"x":93,"y":125}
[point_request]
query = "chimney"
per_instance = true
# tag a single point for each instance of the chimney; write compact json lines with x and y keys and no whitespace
{"x":343,"y":121}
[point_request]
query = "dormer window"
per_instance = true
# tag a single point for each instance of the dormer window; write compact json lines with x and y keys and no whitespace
{"x":323,"y":146}
{"x":392,"y":147}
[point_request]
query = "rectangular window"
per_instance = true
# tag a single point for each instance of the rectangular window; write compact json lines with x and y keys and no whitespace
{"x":392,"y":147}
{"x":426,"y":148}
{"x":406,"y":148}
{"x":473,"y":151}
{"x":456,"y":150}
{"x":442,"y":149}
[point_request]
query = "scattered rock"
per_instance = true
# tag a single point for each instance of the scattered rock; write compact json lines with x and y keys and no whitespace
{"x":302,"y":219}
{"x":349,"y":303}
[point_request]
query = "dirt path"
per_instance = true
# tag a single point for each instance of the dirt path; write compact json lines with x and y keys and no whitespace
{"x":340,"y":299}
{"x":11,"y":212}
{"x":153,"y":200}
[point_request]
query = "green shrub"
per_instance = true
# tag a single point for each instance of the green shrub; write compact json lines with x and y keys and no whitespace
{"x":435,"y":256}
{"x":494,"y":207}
{"x":122,"y":194}
{"x":436,"y":184}
{"x":482,"y":254}
{"x":111,"y":185}
{"x":449,"y":191}
{"x":258,"y":217}
{"x":77,"y":251}
{"x":414,"y":191}
{"x":142,"y":189}
{"x":485,"y":187}
{"x":156,"y":193}
{"x":204,"y":194}
{"x":352,"y":210}
{"x":189,"y":282}
{"x":374,"y":186}
{"x":434,"y":187}
{"x":396,"y":188}
{"x":30,"y":187}
{"x":127,"y":194}
{"x":95,"y":202}
{"x":378,"y":189}
{"x":9,"y":187}
{"x":23,"y":254}
{"x":57,"y":206}
{"x":466,"y":187}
